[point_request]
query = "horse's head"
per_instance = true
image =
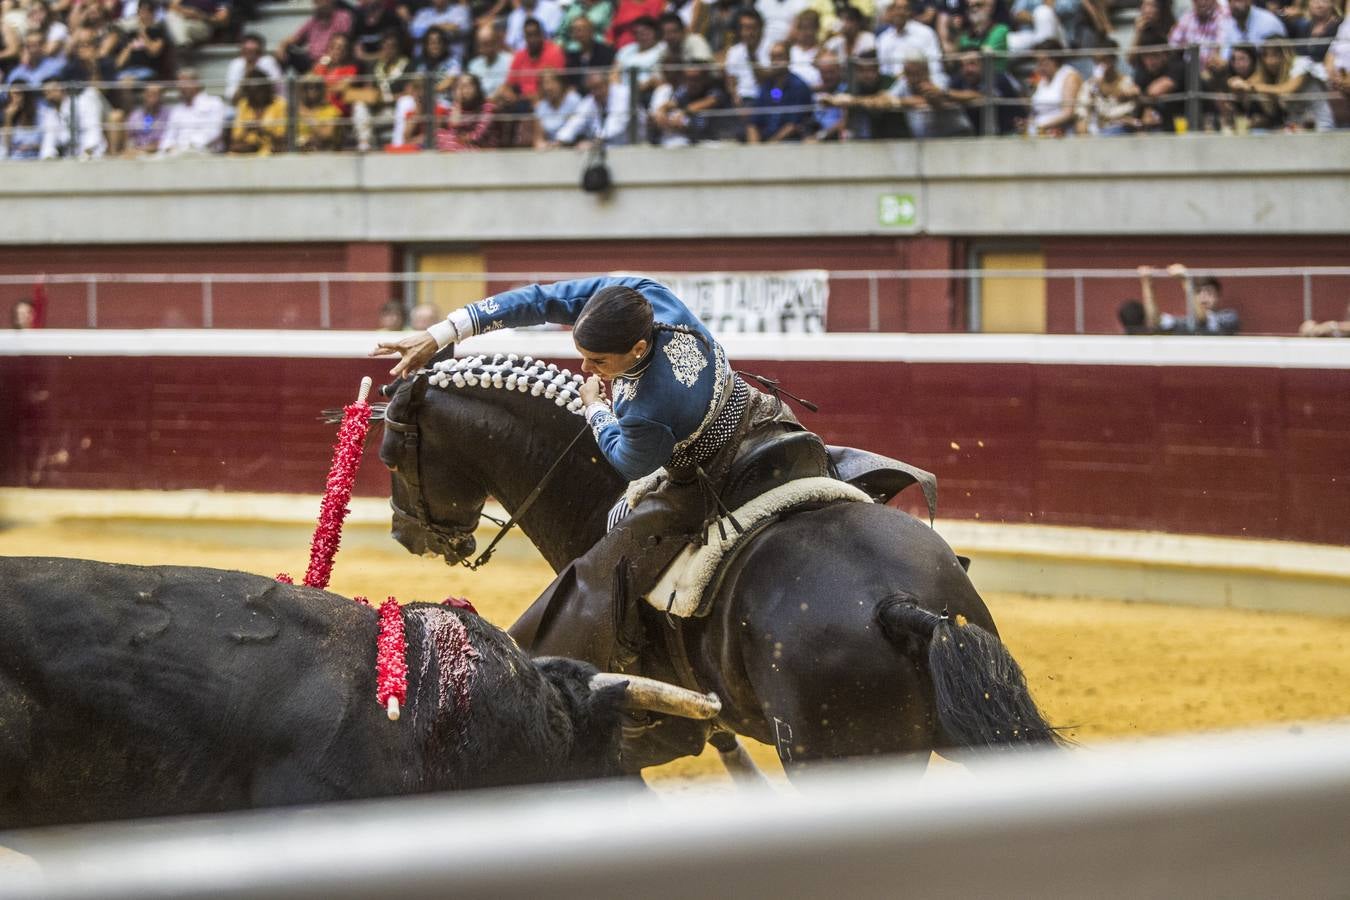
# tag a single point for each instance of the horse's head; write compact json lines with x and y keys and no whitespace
{"x":440,"y":514}
{"x":446,"y":432}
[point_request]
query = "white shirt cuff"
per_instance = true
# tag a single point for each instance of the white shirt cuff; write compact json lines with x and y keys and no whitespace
{"x":456,"y":327}
{"x":596,"y":408}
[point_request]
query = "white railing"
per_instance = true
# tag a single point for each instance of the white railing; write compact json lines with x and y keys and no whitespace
{"x":1226,"y":815}
{"x":1089,"y":285}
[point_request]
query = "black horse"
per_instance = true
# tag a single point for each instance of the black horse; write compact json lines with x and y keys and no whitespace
{"x":847,"y":630}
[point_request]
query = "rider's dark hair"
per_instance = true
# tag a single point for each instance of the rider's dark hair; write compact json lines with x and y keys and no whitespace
{"x":613,"y":320}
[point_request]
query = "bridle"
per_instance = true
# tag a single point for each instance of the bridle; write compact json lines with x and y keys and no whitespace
{"x":453,"y":541}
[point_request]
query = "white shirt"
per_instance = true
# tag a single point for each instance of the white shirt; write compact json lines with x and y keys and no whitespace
{"x":633,"y":58}
{"x":738,"y":66}
{"x":865,"y":41}
{"x":778,"y":17}
{"x":1340,"y":48}
{"x":234,"y":75}
{"x":660,"y":97}
{"x":548,"y":12}
{"x":802,"y":63}
{"x":196,"y":126}
{"x":892,"y":45}
{"x":88,"y":108}
{"x":589,"y":122}
{"x":491,"y":75}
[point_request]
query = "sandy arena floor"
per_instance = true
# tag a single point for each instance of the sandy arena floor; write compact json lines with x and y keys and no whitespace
{"x":1106,"y":669}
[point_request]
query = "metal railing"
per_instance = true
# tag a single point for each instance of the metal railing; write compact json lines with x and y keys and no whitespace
{"x":886,"y":295}
{"x":370,"y":105}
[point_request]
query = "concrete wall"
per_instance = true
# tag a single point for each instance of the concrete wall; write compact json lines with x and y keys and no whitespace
{"x":1256,"y":185}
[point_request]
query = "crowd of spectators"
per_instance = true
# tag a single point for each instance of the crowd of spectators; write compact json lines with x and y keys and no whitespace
{"x":82,"y":77}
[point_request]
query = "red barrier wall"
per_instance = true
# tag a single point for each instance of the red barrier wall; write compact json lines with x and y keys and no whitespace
{"x":1260,"y":452}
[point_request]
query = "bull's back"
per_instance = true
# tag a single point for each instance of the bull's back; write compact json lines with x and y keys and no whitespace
{"x":120,"y":679}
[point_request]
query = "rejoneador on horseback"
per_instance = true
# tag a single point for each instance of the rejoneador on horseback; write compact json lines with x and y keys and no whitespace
{"x":678,"y":417}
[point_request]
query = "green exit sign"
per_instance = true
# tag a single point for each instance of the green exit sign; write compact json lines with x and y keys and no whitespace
{"x":897,"y":211}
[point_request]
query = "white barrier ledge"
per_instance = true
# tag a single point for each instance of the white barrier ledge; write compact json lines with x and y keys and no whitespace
{"x":1047,"y":349}
{"x":1228,"y":815}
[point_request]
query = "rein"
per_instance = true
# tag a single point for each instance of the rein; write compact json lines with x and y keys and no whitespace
{"x":486,"y":555}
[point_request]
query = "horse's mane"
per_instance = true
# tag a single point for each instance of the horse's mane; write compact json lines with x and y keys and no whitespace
{"x":510,"y":372}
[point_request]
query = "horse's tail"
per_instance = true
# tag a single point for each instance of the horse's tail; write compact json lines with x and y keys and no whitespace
{"x":979,"y":690}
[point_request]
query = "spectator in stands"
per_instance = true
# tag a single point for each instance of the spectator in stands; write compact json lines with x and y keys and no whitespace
{"x":252,"y":55}
{"x":22,"y":135}
{"x":870,"y":117}
{"x":804,"y":45}
{"x":423,"y":316}
{"x":259,"y":118}
{"x":1133,"y":318}
{"x":597,"y":12}
{"x":905,"y":34}
{"x":538,"y":54}
{"x":980,"y":31}
{"x":854,"y":38}
{"x":720,"y":24}
{"x":454,"y":20}
{"x":1154,"y":18}
{"x":558,"y":100}
{"x":1289,"y":80}
{"x":627,"y":12}
{"x":197,"y":123}
{"x":602,"y":115}
{"x":389,"y":68}
{"x":678,"y":40}
{"x":146,"y":123}
{"x":349,"y":89}
{"x":1038,"y":21}
{"x":22,"y":315}
{"x":193,"y":22}
{"x":436,"y":61}
{"x":928,"y":109}
{"x":1108,"y":102}
{"x":1161,"y":78}
{"x":410,"y":115}
{"x":468,"y":125}
{"x":1203,"y":297}
{"x":41,"y":20}
{"x":1054,"y":102}
{"x":588,"y":53}
{"x":698,"y":109}
{"x":637,"y":63}
{"x":1318,"y":24}
{"x":548,"y":13}
{"x":303,"y":49}
{"x":71,"y":127}
{"x":1207,"y":24}
{"x":967,"y":88}
{"x":492,"y":64}
{"x":373,"y":21}
{"x":1312,"y":328}
{"x":831,"y":119}
{"x":392,"y":317}
{"x":783,"y":109}
{"x":1337,"y":65}
{"x":1244,"y":110}
{"x":35,"y":66}
{"x":144,"y":54}
{"x":1248,"y":24}
{"x":318,"y":122}
{"x":779,"y":16}
{"x":751,"y":52}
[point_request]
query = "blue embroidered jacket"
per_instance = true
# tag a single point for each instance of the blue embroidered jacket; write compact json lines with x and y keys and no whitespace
{"x":664,"y":402}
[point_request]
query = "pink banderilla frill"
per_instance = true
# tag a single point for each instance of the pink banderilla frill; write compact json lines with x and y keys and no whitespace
{"x":338,"y":492}
{"x":391,"y":659}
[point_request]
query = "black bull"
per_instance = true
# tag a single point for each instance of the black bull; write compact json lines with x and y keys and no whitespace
{"x":131,"y":691}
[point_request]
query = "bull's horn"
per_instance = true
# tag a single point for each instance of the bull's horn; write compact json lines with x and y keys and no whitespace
{"x":660,"y":697}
